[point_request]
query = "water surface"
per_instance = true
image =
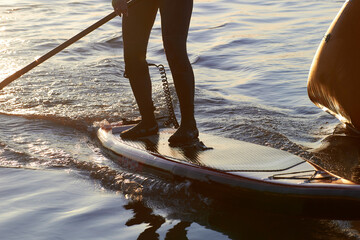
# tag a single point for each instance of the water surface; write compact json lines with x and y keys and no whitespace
{"x":251,"y":60}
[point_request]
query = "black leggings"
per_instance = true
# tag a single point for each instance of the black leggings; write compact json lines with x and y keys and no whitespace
{"x":175,"y":21}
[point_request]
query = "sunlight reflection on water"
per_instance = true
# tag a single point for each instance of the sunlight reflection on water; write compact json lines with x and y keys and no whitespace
{"x":250,"y":58}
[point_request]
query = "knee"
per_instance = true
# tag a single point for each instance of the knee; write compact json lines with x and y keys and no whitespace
{"x":134,"y":61}
{"x":175,"y":50}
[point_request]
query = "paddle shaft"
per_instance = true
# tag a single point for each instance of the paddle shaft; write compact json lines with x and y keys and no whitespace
{"x":59,"y":48}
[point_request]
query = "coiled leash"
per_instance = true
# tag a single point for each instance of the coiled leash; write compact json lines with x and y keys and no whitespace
{"x":197,"y":144}
{"x":169,"y":104}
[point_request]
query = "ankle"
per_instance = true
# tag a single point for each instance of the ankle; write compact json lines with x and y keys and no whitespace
{"x":148,"y":122}
{"x":188,"y":124}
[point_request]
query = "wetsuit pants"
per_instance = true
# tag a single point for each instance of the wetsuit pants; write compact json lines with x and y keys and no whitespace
{"x":136,"y":28}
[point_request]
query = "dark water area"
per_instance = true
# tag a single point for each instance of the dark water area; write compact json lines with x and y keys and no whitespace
{"x":251,"y":60}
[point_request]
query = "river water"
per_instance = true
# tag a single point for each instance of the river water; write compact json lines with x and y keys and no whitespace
{"x":251,"y":60}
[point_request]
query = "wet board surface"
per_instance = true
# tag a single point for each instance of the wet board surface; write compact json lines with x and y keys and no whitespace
{"x":238,"y":165}
{"x":226,"y":154}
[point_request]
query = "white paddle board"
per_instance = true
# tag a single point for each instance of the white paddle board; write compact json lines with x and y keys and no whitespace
{"x":272,"y":175}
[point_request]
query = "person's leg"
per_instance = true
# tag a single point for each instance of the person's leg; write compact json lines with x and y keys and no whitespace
{"x":136,"y":28}
{"x":175,"y":21}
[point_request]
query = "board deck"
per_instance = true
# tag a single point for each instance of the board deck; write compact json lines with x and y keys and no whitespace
{"x":227,"y":154}
{"x":241,"y":166}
